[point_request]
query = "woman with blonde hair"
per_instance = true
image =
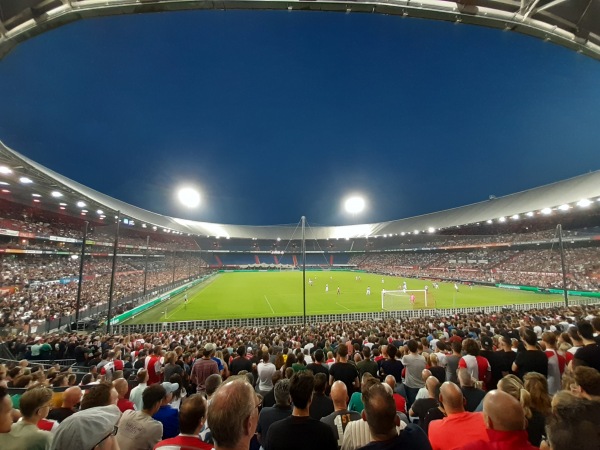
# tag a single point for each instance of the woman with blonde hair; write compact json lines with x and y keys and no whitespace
{"x":536,"y":421}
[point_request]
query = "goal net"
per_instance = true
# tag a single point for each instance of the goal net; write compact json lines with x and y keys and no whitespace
{"x":404,"y":299}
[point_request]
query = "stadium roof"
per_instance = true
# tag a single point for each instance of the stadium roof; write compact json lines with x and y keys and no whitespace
{"x":555,"y":198}
{"x":572,"y":23}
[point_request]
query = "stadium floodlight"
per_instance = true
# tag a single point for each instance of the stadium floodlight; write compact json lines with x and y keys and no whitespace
{"x":81,"y":204}
{"x":100,"y":212}
{"x":188,"y":197}
{"x":354,"y":204}
{"x":5,"y":170}
{"x":4,"y":183}
{"x":62,"y":204}
{"x":416,"y":232}
{"x":515,"y":217}
{"x":402,"y":234}
{"x":56,"y":194}
{"x":546,"y":211}
{"x":25,"y":180}
{"x":502,"y":219}
{"x":564,"y":207}
{"x":74,"y":257}
{"x":431,"y":230}
{"x":6,"y":191}
{"x":36,"y":195}
{"x":529,"y":214}
{"x":584,"y":202}
{"x":278,"y":239}
{"x":489,"y":221}
{"x":62,"y":207}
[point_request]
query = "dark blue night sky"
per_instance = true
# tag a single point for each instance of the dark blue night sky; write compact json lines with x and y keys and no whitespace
{"x":275,"y":115}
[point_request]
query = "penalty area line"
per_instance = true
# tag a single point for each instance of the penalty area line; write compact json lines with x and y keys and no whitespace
{"x":348,"y":309}
{"x":269,"y":303}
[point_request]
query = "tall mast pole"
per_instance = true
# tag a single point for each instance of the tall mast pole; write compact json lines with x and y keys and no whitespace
{"x":112,"y":275}
{"x":304,"y":268}
{"x":562,"y":264}
{"x":79,"y":283}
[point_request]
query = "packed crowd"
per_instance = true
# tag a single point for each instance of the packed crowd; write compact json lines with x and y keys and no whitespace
{"x":541,"y":268}
{"x":517,"y":380}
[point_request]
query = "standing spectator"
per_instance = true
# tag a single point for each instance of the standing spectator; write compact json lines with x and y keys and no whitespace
{"x":478,"y":367}
{"x":122,"y":387}
{"x":589,"y":354}
{"x":392,"y":366}
{"x":398,"y":399}
{"x":154,"y":366}
{"x":203,"y":368}
{"x":93,"y":428}
{"x":171,"y":368}
{"x":233,"y":415}
{"x":265,"y":370}
{"x":532,"y":359}
{"x":192,"y":417}
{"x":453,"y":359}
{"x":505,"y":422}
{"x":415,"y":364}
{"x":25,"y":434}
{"x":586,"y":383}
{"x":341,"y":416}
{"x":344,"y":371}
{"x":473,"y":395}
{"x":166,"y":414}
{"x":321,"y":405}
{"x":240,"y":362}
{"x":137,"y":429}
{"x":556,"y":362}
{"x":459,"y":427}
{"x":71,"y":398}
{"x":317,"y":366}
{"x":380,"y":414}
{"x":135,"y":396}
{"x":420,"y":407}
{"x":300,"y":426}
{"x":279,"y":411}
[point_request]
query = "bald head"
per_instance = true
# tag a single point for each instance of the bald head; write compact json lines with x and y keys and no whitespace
{"x":121,"y":386}
{"x":503,"y":412}
{"x":425,"y":374}
{"x":71,"y":397}
{"x":452,"y":398}
{"x":391,"y":381}
{"x":432,"y":384}
{"x":339,"y":395}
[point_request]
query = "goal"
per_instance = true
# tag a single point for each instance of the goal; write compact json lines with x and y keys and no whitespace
{"x":399,"y":300}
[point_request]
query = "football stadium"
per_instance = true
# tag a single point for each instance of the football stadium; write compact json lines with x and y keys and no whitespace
{"x":483,"y":310}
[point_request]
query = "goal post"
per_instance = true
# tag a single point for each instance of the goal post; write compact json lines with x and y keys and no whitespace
{"x":394,"y":300}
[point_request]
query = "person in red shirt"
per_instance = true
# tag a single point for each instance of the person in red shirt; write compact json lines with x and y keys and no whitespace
{"x":459,"y":427}
{"x":154,"y":366}
{"x":505,"y":423}
{"x":398,"y":399}
{"x":192,"y":416}
{"x":121,"y":386}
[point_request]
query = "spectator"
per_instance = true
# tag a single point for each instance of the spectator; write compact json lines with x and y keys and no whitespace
{"x":137,"y":429}
{"x":317,"y":365}
{"x":473,"y":395}
{"x":233,"y":415}
{"x":453,"y":359}
{"x":269,"y":398}
{"x":265,"y":370}
{"x":420,"y":407}
{"x":93,"y":428}
{"x":574,"y":424}
{"x":321,"y":405}
{"x":459,"y":427}
{"x":589,"y":354}
{"x":102,"y":394}
{"x":153,"y":365}
{"x":121,"y":386}
{"x":586,"y":383}
{"x":505,"y":422}
{"x":166,"y":414}
{"x":415,"y":364}
{"x":478,"y":367}
{"x":240,"y":362}
{"x":556,"y":362}
{"x":203,"y":368}
{"x":391,"y":365}
{"x":192,"y":417}
{"x":341,"y":416}
{"x":71,"y":398}
{"x":367,"y":364}
{"x":281,"y":410}
{"x":423,"y":391}
{"x":300,"y":426}
{"x":532,"y":359}
{"x":135,"y":396}
{"x":6,"y":413}
{"x":380,"y":414}
{"x":398,"y":399}
{"x":356,"y":403}
{"x":25,"y":434}
{"x":343,"y":370}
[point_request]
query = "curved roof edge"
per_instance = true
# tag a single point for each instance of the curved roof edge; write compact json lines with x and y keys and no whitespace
{"x":569,"y":192}
{"x":574,"y":25}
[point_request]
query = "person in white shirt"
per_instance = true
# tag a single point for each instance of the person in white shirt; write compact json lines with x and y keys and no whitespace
{"x":136,"y":393}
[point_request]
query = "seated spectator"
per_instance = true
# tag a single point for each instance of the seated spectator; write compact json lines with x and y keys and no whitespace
{"x":321,"y":404}
{"x":281,"y":410}
{"x":574,"y":424}
{"x":586,"y":383}
{"x":25,"y":434}
{"x":341,"y":416}
{"x":192,"y":416}
{"x":459,"y":427}
{"x":135,"y":396}
{"x":300,"y":427}
{"x":93,"y":428}
{"x":137,"y":429}
{"x":71,"y":398}
{"x":233,"y":414}
{"x":473,"y":395}
{"x":102,"y":394}
{"x":505,"y":422}
{"x":380,"y":414}
{"x":121,"y":386}
{"x":166,"y":414}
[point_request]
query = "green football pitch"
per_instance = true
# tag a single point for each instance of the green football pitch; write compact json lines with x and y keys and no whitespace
{"x":231,"y":295}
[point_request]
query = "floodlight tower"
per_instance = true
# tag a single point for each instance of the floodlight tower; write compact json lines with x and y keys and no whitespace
{"x":304,"y":268}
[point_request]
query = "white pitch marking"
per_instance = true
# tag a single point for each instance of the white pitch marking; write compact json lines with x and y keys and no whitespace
{"x":269,"y":303}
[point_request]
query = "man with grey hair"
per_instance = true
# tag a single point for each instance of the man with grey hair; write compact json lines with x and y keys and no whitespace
{"x":233,"y":415}
{"x":281,"y":410}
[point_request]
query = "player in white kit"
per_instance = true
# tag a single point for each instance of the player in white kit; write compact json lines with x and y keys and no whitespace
{"x":368,"y":290}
